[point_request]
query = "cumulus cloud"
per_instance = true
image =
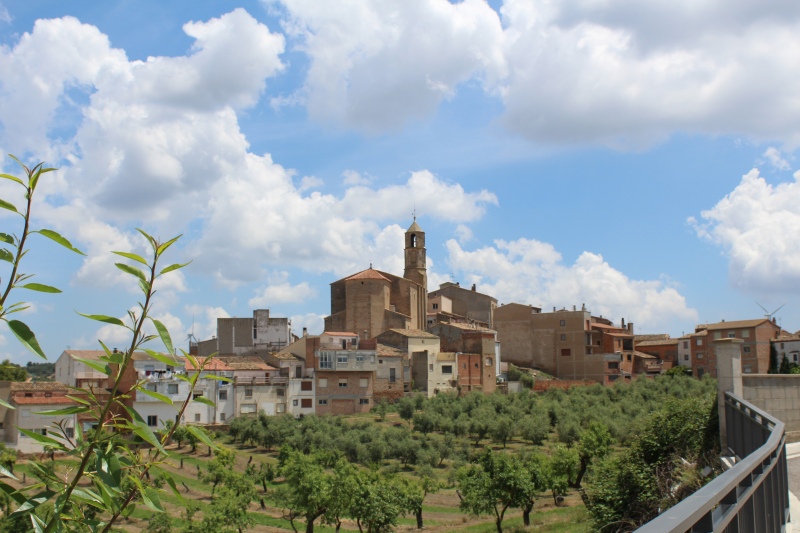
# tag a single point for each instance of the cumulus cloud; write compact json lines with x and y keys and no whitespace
{"x":375,"y":65}
{"x":758,"y":226}
{"x":279,"y":291}
{"x":625,"y":74}
{"x":204,"y":320}
{"x":533,"y":272}
{"x":314,"y":322}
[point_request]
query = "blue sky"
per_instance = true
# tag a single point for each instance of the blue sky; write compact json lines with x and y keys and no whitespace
{"x":636,"y":157}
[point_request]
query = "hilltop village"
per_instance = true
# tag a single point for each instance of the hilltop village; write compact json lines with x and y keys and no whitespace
{"x":387,"y":336}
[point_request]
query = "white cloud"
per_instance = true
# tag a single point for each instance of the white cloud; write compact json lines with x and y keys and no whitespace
{"x":532,"y":272}
{"x":375,"y":65}
{"x":775,"y":159}
{"x":463,"y":233}
{"x":314,"y":322}
{"x":204,"y":325}
{"x":310,"y":182}
{"x":351,"y":177}
{"x":758,"y":226}
{"x":279,"y":290}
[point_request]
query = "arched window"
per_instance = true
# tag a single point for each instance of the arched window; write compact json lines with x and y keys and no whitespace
{"x":413,"y":240}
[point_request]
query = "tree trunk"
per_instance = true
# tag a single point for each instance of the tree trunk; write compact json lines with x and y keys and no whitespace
{"x":418,"y":512}
{"x":526,"y":514}
{"x":310,"y":526}
{"x":581,"y":473}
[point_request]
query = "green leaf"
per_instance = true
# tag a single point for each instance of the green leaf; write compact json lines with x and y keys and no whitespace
{"x":145,"y":286}
{"x":151,"y":499}
{"x":6,"y":205}
{"x":140,"y":427}
{"x":218,"y":378}
{"x":133,"y":271}
{"x":156,"y":395}
{"x":7,"y":473}
{"x":40,"y":287}
{"x":65,"y":411}
{"x":38,"y":437}
{"x":105,"y":318}
{"x":170,"y":268}
{"x":97,"y":365}
{"x":149,"y":238}
{"x":169,"y":361}
{"x":134,"y":257}
{"x":5,"y":255}
{"x":52,"y":235}
{"x":204,"y":400}
{"x":164,"y":334}
{"x":161,"y":249}
{"x":5,"y":237}
{"x":202,"y":436}
{"x":171,"y":482}
{"x":26,"y":337}
{"x":12,"y":178}
{"x":6,"y":404}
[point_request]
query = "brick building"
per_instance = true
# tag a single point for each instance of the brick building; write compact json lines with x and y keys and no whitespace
{"x":756,"y":335}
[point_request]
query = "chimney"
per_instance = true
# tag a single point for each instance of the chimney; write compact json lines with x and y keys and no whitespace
{"x":305,"y":331}
{"x":554,"y":308}
{"x":573,"y":308}
{"x":623,"y":323}
{"x":473,"y":287}
{"x":630,"y":327}
{"x":583,"y":307}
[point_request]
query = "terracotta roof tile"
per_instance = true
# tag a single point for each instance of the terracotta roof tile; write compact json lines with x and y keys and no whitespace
{"x":733,"y":324}
{"x":29,"y":386}
{"x":41,"y":400}
{"x":340,"y":334}
{"x":214,"y":365}
{"x":415,"y":333}
{"x":369,"y":273}
{"x":389,"y":351}
{"x":662,"y":342}
{"x":652,"y":337}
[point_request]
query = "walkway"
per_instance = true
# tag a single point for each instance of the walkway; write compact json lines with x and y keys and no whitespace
{"x":793,"y":462}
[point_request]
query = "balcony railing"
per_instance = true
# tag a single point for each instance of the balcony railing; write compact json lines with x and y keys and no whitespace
{"x":277,"y":380}
{"x":753,"y":496}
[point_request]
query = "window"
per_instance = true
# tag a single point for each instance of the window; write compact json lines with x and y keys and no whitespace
{"x":197,"y":395}
{"x":731,"y":334}
{"x":629,"y":357}
{"x":248,"y":392}
{"x":380,"y":361}
{"x":305,"y":403}
{"x":698,"y":342}
{"x":745,"y":333}
{"x":295,"y":403}
{"x":363,"y":401}
{"x":325,"y":360}
{"x":341,"y":359}
{"x":747,"y":369}
{"x":430,"y":367}
{"x":363,"y":382}
{"x":700,"y":372}
{"x":563,"y":336}
{"x":281,"y":392}
{"x":359,"y":358}
{"x":447,"y":369}
{"x":685,"y":345}
{"x":794,"y":357}
{"x":323,"y":402}
{"x":247,"y":408}
{"x":435,"y":306}
{"x":717,"y":335}
{"x":746,"y":349}
{"x":197,"y":417}
{"x":222,"y":417}
{"x":699,"y":355}
{"x":152,"y":387}
{"x":562,"y":323}
{"x":489,"y":361}
{"x":781,"y":346}
{"x":307,"y":385}
{"x":613,"y":365}
{"x":223,"y":395}
{"x":323,"y":383}
{"x":70,"y":432}
{"x":152,"y":420}
{"x":343,"y":383}
{"x":686,"y":357}
{"x":392,"y":377}
{"x":566,"y":351}
{"x":280,"y":408}
{"x":172,"y":388}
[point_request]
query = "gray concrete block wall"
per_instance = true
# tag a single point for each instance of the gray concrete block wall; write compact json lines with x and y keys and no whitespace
{"x":778,"y":394}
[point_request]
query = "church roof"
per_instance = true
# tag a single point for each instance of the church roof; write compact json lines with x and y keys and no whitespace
{"x":369,"y":273}
{"x":414,"y":227}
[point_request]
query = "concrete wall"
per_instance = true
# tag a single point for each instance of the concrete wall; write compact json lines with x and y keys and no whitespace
{"x":778,"y":394}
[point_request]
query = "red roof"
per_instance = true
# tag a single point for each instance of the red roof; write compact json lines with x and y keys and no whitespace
{"x":368,"y":274}
{"x":42,"y":400}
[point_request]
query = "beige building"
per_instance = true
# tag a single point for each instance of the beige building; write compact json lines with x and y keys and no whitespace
{"x":562,"y":343}
{"x":259,"y":335}
{"x":27,"y":400}
{"x":468,"y":303}
{"x":371,"y":301}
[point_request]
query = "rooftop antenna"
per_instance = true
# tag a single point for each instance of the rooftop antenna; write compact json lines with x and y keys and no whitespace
{"x":768,"y":314}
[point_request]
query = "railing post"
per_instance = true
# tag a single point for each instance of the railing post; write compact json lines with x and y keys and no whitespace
{"x":729,"y":379}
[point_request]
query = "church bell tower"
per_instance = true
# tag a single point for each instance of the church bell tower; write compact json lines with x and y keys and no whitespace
{"x":415,"y":269}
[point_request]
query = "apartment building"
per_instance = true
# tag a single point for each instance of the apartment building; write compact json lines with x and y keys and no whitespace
{"x":474,"y":306}
{"x":255,"y":336}
{"x":27,"y":400}
{"x":787,"y":345}
{"x":756,"y":335}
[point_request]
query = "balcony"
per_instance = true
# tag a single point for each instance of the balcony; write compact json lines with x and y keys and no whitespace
{"x":277,"y":380}
{"x":653,"y":367}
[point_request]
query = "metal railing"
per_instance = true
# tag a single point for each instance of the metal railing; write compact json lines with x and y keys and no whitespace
{"x":753,"y":496}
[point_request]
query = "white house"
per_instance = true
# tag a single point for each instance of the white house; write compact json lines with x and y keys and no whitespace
{"x":28,"y":399}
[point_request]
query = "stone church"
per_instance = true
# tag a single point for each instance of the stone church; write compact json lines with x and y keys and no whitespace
{"x":371,"y":301}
